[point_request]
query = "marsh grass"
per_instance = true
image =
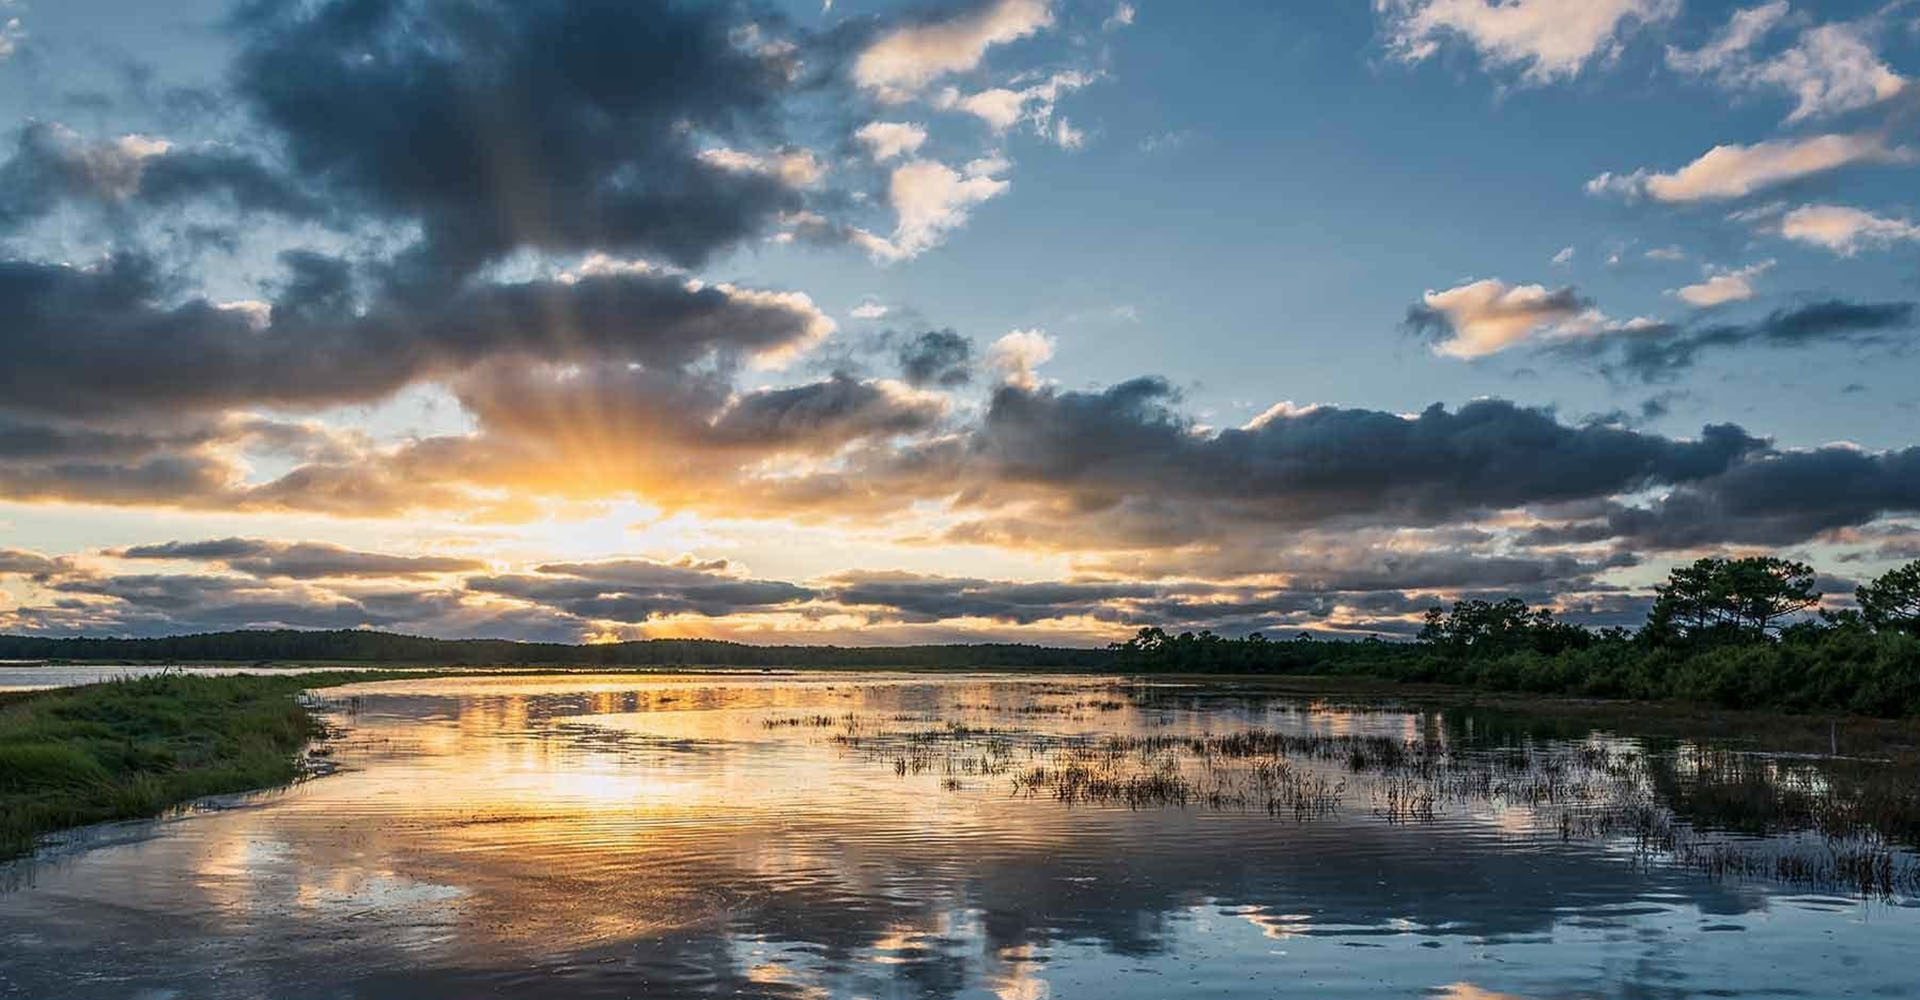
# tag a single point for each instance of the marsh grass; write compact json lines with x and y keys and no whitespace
{"x":1725,"y":813}
{"x":137,"y":747}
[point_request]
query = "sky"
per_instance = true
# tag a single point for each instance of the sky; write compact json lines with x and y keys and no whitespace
{"x":1011,"y":320}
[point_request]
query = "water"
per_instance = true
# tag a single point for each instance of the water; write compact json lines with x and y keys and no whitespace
{"x":859,"y":835}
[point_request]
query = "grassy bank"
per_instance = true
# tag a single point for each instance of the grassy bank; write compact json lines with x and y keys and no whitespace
{"x":134,"y":748}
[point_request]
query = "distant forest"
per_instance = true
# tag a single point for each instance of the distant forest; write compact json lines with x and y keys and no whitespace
{"x":283,"y":645}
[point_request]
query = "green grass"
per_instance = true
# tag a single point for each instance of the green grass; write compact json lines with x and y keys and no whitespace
{"x":133,"y":748}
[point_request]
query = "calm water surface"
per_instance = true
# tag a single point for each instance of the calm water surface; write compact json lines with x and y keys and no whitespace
{"x":874,"y":835}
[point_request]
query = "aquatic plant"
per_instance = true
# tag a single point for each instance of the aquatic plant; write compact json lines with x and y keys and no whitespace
{"x":1722,"y":813}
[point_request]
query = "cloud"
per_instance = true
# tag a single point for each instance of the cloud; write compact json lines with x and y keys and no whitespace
{"x":931,"y":199}
{"x":1563,"y":256}
{"x":12,"y":33}
{"x":1000,"y":107}
{"x":1779,"y":499}
{"x":793,"y":167}
{"x":891,"y":140}
{"x":115,"y":338}
{"x":1735,"y":171}
{"x":1892,"y":543}
{"x":1018,"y":354}
{"x":15,"y":562}
{"x":269,"y":559}
{"x":1489,"y":316}
{"x":1845,"y":230}
{"x":911,"y":597}
{"x":1730,"y":46}
{"x":1726,"y":286}
{"x":869,"y":309}
{"x":937,"y":357}
{"x":615,"y":414}
{"x":52,"y":165}
{"x":600,"y":432}
{"x":1122,"y":17}
{"x":542,"y":432}
{"x":495,"y":127}
{"x":1368,"y":560}
{"x":1126,"y":470}
{"x":1004,"y":107}
{"x":1166,"y":141}
{"x":1830,"y":69}
{"x":637,"y":590}
{"x":151,"y":604}
{"x":1661,"y":351}
{"x":902,"y":60}
{"x":823,"y":414}
{"x":1545,"y":39}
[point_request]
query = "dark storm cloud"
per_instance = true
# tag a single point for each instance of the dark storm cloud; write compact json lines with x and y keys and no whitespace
{"x":1325,"y":463}
{"x":937,"y":357}
{"x":535,"y":123}
{"x":1663,"y":351}
{"x":1778,"y":499}
{"x":299,"y":560}
{"x":93,"y":341}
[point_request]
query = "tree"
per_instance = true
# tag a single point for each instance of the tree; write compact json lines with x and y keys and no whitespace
{"x":1767,"y":590}
{"x":1730,"y":599}
{"x":1891,"y":603}
{"x":1486,"y":627}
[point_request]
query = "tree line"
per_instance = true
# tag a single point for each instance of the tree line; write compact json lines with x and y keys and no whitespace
{"x":1745,"y":633}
